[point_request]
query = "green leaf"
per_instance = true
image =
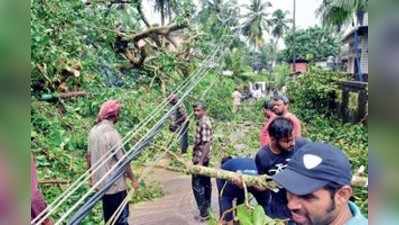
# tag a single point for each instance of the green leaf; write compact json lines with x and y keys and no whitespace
{"x":259,"y":217}
{"x":244,"y":215}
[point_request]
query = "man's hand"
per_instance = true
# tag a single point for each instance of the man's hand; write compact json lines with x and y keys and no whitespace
{"x":201,"y":162}
{"x":92,"y":183}
{"x":196,"y":162}
{"x":260,"y":189}
{"x":172,"y":128}
{"x":135,"y":184}
{"x":48,"y":222}
{"x":238,"y":182}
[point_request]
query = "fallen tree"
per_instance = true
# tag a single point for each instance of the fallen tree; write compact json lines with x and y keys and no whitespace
{"x":158,"y":30}
{"x":157,"y":34}
{"x":261,"y":181}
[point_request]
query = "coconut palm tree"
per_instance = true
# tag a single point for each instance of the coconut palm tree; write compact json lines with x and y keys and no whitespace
{"x":340,"y":12}
{"x":256,"y":22}
{"x":279,"y":23}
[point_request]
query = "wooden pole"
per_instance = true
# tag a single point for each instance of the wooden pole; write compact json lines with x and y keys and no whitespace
{"x":294,"y":39}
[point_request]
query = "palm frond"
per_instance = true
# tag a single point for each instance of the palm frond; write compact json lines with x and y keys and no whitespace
{"x":340,"y":12}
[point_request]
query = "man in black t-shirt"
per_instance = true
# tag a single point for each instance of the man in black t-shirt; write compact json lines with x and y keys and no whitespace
{"x":273,"y":158}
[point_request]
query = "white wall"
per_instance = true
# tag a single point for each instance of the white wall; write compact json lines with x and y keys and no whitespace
{"x":365,"y":55}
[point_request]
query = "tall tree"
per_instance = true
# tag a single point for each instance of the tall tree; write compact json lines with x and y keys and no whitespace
{"x":340,"y":12}
{"x":313,"y":44}
{"x":217,"y":16}
{"x":279,"y":23}
{"x":165,"y":8}
{"x":256,"y":22}
{"x":268,"y":55}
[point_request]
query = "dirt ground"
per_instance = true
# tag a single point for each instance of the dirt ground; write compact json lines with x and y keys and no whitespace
{"x":176,"y":207}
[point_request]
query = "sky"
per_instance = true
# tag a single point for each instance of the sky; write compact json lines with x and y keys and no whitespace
{"x":305,"y":16}
{"x":305,"y":11}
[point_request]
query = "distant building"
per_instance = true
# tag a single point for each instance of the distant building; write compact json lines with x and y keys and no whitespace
{"x":354,"y":53}
{"x":329,"y":64}
{"x":301,"y":66}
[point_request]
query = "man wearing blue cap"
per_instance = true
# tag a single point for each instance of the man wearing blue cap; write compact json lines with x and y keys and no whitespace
{"x":317,"y":180}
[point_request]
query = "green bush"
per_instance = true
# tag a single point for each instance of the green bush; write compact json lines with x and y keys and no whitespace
{"x":312,"y":90}
{"x":310,"y":96}
{"x":280,"y":75}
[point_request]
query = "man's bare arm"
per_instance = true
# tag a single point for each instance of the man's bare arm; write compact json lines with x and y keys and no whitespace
{"x":130,"y":175}
{"x":88,"y":160}
{"x":88,"y":156}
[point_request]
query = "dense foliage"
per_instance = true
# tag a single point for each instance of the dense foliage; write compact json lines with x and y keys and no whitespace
{"x":313,"y":90}
{"x":313,"y":44}
{"x":257,"y":21}
{"x":340,"y":12}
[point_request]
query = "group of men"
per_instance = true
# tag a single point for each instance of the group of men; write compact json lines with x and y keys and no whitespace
{"x":315,"y":178}
{"x":201,"y":185}
{"x":103,"y":138}
{"x":240,"y":94}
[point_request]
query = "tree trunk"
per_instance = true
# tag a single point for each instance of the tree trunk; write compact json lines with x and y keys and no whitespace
{"x":274,"y":62}
{"x":163,"y":30}
{"x":162,"y":17}
{"x":72,"y":94}
{"x":140,"y":10}
{"x":263,"y":181}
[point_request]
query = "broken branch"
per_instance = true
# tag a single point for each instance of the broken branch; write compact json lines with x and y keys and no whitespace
{"x":54,"y":181}
{"x":72,"y":94}
{"x":163,"y":30}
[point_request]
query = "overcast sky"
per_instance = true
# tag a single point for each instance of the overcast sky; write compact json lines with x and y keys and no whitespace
{"x":305,"y":16}
{"x":305,"y":11}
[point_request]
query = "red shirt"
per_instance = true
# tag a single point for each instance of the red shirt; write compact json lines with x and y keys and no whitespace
{"x":264,"y":135}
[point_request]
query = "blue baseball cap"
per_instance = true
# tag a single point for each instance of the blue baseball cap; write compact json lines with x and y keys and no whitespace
{"x":312,"y":167}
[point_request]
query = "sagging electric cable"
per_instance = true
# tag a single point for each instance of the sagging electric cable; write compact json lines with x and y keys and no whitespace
{"x":51,"y":208}
{"x":135,"y":150}
{"x":84,"y":210}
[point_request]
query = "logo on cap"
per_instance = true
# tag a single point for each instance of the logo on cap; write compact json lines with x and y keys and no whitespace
{"x":311,"y":161}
